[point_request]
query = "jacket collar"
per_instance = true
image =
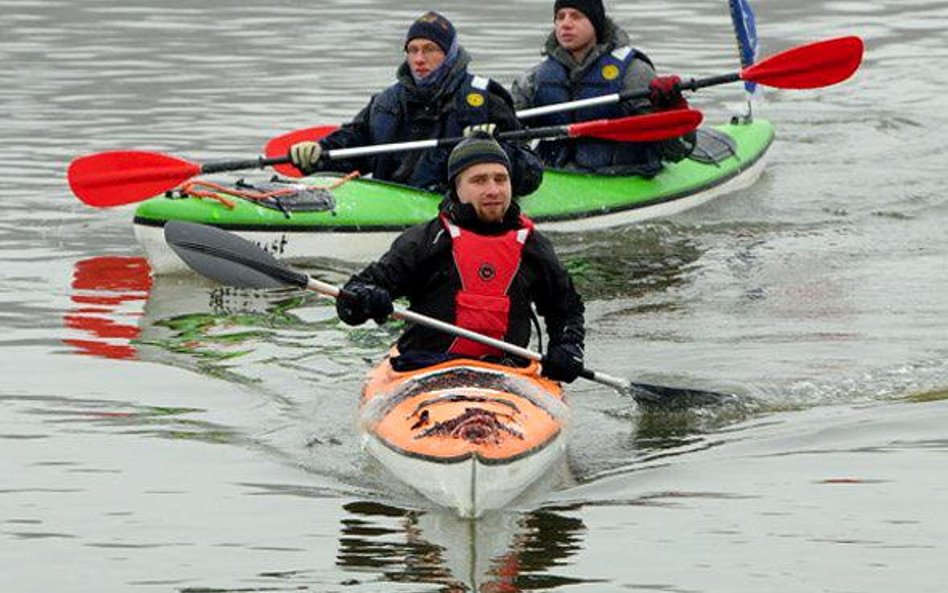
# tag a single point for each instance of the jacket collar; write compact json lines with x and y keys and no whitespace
{"x":465,"y":217}
{"x":615,"y":37}
{"x":451,"y":81}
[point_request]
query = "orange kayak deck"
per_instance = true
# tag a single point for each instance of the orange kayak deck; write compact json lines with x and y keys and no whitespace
{"x":461,"y":409}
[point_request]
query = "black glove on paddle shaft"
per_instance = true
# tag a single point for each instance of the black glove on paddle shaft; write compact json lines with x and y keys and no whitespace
{"x":360,"y":302}
{"x":564,"y":362}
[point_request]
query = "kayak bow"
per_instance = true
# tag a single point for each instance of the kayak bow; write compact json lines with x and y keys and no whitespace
{"x":468,"y":435}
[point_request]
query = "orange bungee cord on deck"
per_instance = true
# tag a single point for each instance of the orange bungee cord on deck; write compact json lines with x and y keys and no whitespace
{"x":213,"y":191}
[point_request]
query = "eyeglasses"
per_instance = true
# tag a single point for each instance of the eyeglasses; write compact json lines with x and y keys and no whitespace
{"x":427,"y":50}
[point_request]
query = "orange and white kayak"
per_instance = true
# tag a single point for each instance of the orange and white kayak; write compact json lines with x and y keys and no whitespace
{"x":467,"y":434}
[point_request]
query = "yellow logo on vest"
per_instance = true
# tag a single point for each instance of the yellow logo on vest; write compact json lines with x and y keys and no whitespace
{"x":610,"y":72}
{"x":475,"y":99}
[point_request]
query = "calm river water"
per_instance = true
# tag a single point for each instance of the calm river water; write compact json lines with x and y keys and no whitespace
{"x":169,"y":435}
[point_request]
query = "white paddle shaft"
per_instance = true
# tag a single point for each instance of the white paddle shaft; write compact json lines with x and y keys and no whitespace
{"x":332,"y":291}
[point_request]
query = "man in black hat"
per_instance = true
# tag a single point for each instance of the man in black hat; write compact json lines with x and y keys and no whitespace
{"x":480,"y":265}
{"x":588,"y":55}
{"x":434,"y":97}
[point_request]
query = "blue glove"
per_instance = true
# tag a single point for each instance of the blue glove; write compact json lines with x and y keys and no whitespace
{"x":361,"y":302}
{"x":563,"y":362}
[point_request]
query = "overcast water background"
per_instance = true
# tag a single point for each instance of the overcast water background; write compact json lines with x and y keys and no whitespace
{"x":169,"y":435}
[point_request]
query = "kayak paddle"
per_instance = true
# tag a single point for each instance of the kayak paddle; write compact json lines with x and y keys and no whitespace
{"x":121,"y":177}
{"x":231,"y":260}
{"x":813,"y":65}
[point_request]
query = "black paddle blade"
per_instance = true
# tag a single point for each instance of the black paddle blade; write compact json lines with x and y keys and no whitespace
{"x":227,"y":258}
{"x":661,"y":397}
{"x":677,"y":398}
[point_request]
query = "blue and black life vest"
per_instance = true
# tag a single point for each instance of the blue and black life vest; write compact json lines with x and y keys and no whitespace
{"x":394,"y":118}
{"x":604,"y":77}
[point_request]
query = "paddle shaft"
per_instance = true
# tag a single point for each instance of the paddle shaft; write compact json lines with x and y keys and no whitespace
{"x":255,"y":163}
{"x":330,"y":290}
{"x":644,"y":393}
{"x":690,"y":85}
{"x":812,"y":65}
{"x":343,"y":153}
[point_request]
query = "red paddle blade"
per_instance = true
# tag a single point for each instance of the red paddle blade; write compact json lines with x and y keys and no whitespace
{"x":809,"y":66}
{"x":280,"y":146}
{"x":125,"y":176}
{"x":640,"y":128}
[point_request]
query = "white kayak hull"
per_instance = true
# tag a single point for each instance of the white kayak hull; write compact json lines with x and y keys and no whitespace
{"x":470,"y":487}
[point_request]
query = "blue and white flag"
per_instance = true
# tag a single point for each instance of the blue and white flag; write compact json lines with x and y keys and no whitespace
{"x":745,"y":28}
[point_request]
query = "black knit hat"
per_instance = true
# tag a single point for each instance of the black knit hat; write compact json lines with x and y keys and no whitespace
{"x":593,"y":10}
{"x":435,"y":27}
{"x":479,"y":148}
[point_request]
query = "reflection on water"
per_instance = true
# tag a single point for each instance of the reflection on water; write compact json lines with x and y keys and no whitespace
{"x":231,"y":327}
{"x":107,"y":293}
{"x":126,"y":417}
{"x":120,"y":308}
{"x":929,"y":396}
{"x":218,"y":331}
{"x":630,"y":262}
{"x":501,"y":552}
{"x":659,"y":431}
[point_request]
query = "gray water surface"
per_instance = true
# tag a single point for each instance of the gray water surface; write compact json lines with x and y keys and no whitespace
{"x":166,"y":434}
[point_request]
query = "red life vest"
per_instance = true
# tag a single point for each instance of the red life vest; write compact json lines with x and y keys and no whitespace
{"x":487,"y":266}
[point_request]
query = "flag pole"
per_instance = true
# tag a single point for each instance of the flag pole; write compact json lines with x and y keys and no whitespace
{"x":748,"y":45}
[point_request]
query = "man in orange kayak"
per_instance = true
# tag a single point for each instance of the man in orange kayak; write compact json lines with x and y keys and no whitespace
{"x":434,"y":97}
{"x":480,"y":265}
{"x":588,"y":55}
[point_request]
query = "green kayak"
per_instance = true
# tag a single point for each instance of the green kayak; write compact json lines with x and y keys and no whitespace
{"x":358,"y":219}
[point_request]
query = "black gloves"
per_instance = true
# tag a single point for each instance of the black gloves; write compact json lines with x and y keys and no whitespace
{"x":664,"y":93}
{"x":359,"y":302}
{"x":563,"y":362}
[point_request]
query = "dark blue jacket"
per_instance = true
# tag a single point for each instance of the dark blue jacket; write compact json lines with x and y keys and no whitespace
{"x":405,"y":112}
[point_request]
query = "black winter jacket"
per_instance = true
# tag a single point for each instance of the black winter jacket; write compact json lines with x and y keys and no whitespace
{"x":420,"y":266}
{"x":404,"y":112}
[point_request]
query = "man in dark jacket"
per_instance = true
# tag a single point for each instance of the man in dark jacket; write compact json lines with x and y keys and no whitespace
{"x":587,"y":55}
{"x":480,"y":265}
{"x":434,"y":97}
